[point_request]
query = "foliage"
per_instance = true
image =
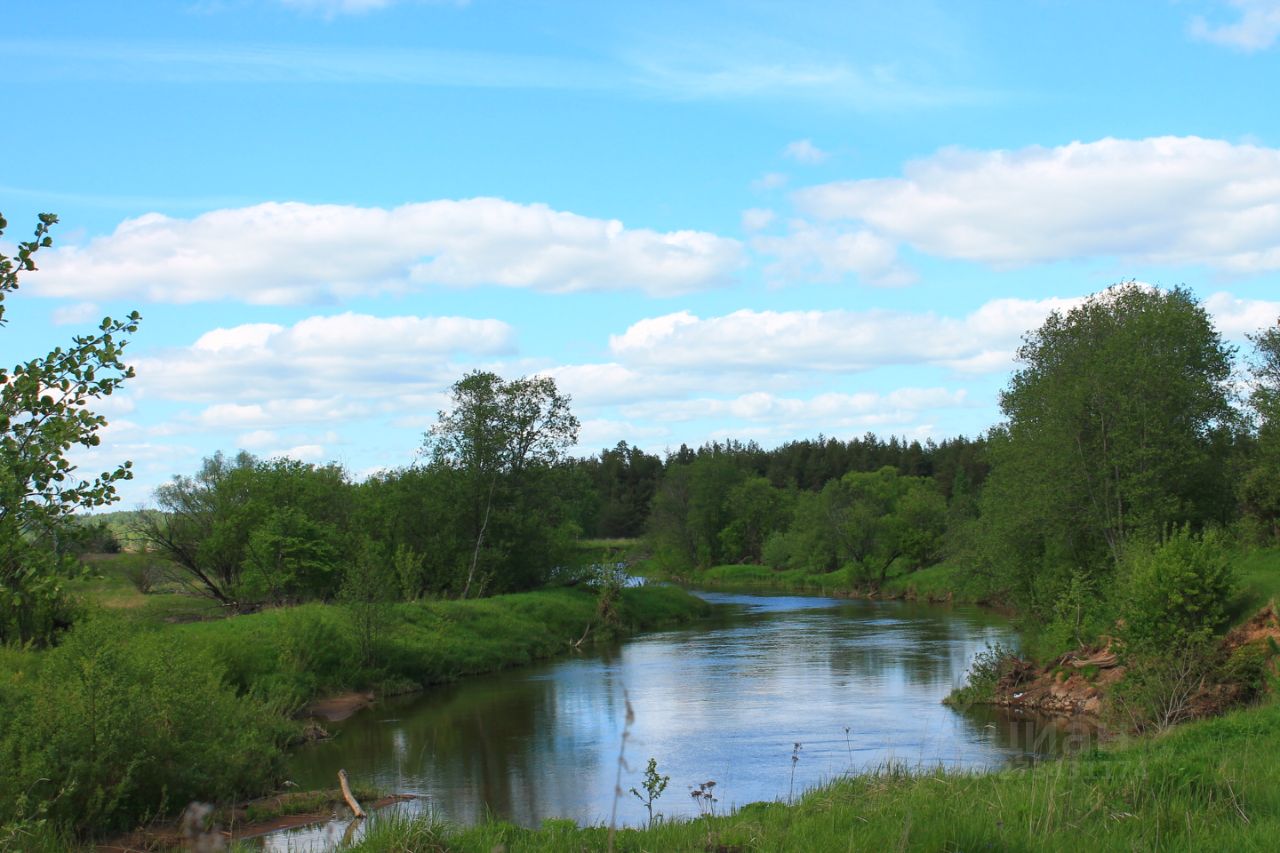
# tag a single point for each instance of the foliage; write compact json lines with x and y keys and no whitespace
{"x":691,"y":509}
{"x":496,"y":435}
{"x":1118,"y":426}
{"x":120,"y":726}
{"x":756,"y":510}
{"x":367,"y":592}
{"x":1176,"y":594}
{"x":654,"y":784}
{"x":1173,"y":602}
{"x":985,"y":671}
{"x":243,"y":530}
{"x":44,"y":415}
{"x":1260,"y":483}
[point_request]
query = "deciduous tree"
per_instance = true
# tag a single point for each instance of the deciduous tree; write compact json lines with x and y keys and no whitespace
{"x":44,"y":415}
{"x":495,"y":432}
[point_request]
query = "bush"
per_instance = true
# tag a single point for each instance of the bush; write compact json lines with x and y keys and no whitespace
{"x":119,"y":727}
{"x":1174,"y":601}
{"x":1176,"y":595}
{"x":984,"y":674}
{"x":777,"y":551}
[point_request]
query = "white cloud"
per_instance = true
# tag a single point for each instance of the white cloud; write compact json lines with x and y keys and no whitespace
{"x":834,"y":341}
{"x":258,"y":439}
{"x":822,"y":253}
{"x":597,"y":433}
{"x":757,"y":219}
{"x":1236,"y":318}
{"x":351,"y":356}
{"x":301,"y":453}
{"x":834,"y":409}
{"x":1167,"y":200}
{"x":804,"y":151}
{"x":769,"y":181}
{"x":294,"y":253}
{"x":1257,"y":28}
{"x":80,"y":312}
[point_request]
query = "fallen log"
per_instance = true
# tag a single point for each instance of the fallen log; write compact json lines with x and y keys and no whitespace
{"x":348,"y":796}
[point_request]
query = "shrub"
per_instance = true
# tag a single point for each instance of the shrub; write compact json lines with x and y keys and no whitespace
{"x":984,"y":674}
{"x":1174,"y":601}
{"x":1176,"y":595}
{"x":121,"y":726}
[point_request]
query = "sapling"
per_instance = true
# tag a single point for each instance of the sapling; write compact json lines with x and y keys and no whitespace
{"x":654,"y":785}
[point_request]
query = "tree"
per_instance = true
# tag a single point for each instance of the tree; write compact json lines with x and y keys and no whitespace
{"x":877,"y":518}
{"x":1116,"y":428}
{"x":494,"y":434}
{"x":1260,"y":483}
{"x":44,"y":414}
{"x":243,"y":530}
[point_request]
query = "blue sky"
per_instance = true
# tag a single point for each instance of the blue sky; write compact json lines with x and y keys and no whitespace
{"x":705,"y":220}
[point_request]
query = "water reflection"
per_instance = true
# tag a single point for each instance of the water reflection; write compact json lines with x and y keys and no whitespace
{"x":858,"y":683}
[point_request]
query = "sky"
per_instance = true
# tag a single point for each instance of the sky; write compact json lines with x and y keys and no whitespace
{"x":748,"y":220}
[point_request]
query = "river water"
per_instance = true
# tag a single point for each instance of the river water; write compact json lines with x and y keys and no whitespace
{"x":856,"y":684}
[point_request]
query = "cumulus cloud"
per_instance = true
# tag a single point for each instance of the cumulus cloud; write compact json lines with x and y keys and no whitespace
{"x":804,"y":151}
{"x":294,"y":253}
{"x":271,"y":371}
{"x":834,"y":341}
{"x":1236,"y":317}
{"x":825,"y":254}
{"x":1166,"y":200}
{"x":1256,"y":28}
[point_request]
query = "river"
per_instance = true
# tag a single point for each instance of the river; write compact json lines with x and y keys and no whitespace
{"x":855,"y":684}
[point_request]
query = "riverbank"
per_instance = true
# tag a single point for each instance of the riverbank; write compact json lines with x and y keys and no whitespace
{"x":201,"y":710}
{"x":941,"y":583}
{"x":1210,"y":785}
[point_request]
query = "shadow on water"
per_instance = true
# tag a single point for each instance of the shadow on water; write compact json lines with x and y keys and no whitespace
{"x":858,"y":683}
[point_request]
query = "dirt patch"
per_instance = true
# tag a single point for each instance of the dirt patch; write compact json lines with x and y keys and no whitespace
{"x":1079,"y":681}
{"x":1263,"y":627}
{"x":1075,"y":683}
{"x":337,"y":708}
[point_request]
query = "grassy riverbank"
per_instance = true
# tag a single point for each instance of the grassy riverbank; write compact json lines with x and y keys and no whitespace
{"x":943,"y":582}
{"x":133,"y":714}
{"x":1211,"y":785}
{"x":1257,"y":576}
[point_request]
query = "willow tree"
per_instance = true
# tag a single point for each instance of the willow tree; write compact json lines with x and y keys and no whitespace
{"x":496,"y":436}
{"x":44,"y":416}
{"x":1117,"y":425}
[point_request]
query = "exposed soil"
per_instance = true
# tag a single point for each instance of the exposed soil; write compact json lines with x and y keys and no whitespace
{"x":1075,"y":683}
{"x":1078,"y":682}
{"x":337,"y":708}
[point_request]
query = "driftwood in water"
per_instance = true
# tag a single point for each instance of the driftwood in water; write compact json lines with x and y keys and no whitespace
{"x":347,"y":795}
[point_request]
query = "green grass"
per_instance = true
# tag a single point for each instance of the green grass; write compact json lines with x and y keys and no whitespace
{"x":943,"y":582}
{"x":1212,"y":785}
{"x":753,"y":577}
{"x":1258,"y":578}
{"x":289,"y":656}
